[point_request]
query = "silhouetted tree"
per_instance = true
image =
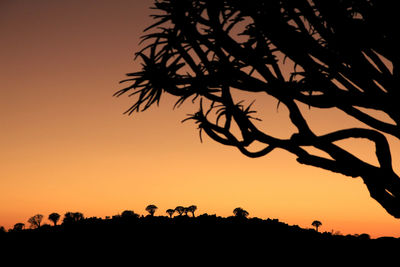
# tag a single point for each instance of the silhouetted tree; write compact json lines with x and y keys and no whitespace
{"x":240,"y":213}
{"x":364,"y":236}
{"x":170,"y":212}
{"x":151,"y":209}
{"x":339,"y":55}
{"x":180,"y":210}
{"x":129,"y":214}
{"x":2,"y":229}
{"x":35,"y":221}
{"x":316,"y":224}
{"x":72,"y":217}
{"x":19,"y":227}
{"x":192,"y":209}
{"x":54,"y":217}
{"x":185,"y":210}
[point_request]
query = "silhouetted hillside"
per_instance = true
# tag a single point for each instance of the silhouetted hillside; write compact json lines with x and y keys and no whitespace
{"x":204,"y":236}
{"x":202,"y":229}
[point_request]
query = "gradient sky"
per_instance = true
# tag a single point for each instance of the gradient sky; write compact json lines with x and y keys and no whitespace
{"x":66,"y":146}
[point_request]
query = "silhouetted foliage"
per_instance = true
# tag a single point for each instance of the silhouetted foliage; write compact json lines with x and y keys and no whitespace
{"x":240,"y":213}
{"x":192,"y":209}
{"x":19,"y":226}
{"x":54,"y":217}
{"x":333,"y":55}
{"x":151,"y":209}
{"x":2,"y":229}
{"x":35,"y":220}
{"x":129,"y":214}
{"x":364,"y":236}
{"x":170,"y":212}
{"x":316,"y":224}
{"x":72,"y":217}
{"x":180,"y":210}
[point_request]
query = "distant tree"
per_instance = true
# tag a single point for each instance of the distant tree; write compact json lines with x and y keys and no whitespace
{"x":129,"y":214}
{"x":180,"y":210}
{"x":340,"y":56}
{"x":19,"y":226}
{"x":35,"y":220}
{"x":170,"y":212}
{"x":316,"y":224}
{"x":240,"y":213}
{"x":185,"y":210}
{"x":151,"y":209}
{"x":364,"y":236}
{"x":72,"y":217}
{"x":2,"y":229}
{"x":192,"y":209}
{"x":54,"y":217}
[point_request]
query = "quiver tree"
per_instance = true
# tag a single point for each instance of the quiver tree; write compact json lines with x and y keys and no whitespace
{"x":54,"y":217}
{"x":170,"y":212}
{"x":338,"y":55}
{"x":151,"y":209}
{"x":35,"y":221}
{"x":180,"y":210}
{"x":192,"y":209}
{"x":316,"y":224}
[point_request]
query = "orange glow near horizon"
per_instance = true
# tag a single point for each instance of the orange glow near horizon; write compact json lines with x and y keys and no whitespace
{"x":67,"y":147}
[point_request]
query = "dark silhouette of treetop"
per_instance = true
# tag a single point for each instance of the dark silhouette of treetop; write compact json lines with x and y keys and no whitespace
{"x":240,"y":213}
{"x":170,"y":212}
{"x":192,"y":209}
{"x":306,"y":54}
{"x":151,"y":209}
{"x":180,"y":210}
{"x":316,"y":224}
{"x":35,"y":220}
{"x":72,"y":217}
{"x":54,"y":217}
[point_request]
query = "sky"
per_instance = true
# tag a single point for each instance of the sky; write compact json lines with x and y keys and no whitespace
{"x":67,"y":146}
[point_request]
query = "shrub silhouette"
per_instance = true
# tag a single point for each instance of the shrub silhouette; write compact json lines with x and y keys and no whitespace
{"x":240,"y":213}
{"x":129,"y":214}
{"x":72,"y":217}
{"x":19,"y":226}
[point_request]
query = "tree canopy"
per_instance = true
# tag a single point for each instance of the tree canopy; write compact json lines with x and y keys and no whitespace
{"x":343,"y":55}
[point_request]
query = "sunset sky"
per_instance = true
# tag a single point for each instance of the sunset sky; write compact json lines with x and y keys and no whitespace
{"x":67,"y":146}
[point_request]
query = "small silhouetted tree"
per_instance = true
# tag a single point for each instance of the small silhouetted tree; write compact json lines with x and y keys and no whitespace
{"x":2,"y":229}
{"x":192,"y":209}
{"x":19,"y":227}
{"x":35,"y":221}
{"x":170,"y":212}
{"x":151,"y":209}
{"x":185,"y":210}
{"x":180,"y":210}
{"x":316,"y":224}
{"x":54,"y":217}
{"x":240,"y":213}
{"x":316,"y":54}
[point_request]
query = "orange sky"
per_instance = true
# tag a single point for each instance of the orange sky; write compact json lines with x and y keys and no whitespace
{"x":65,"y":145}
